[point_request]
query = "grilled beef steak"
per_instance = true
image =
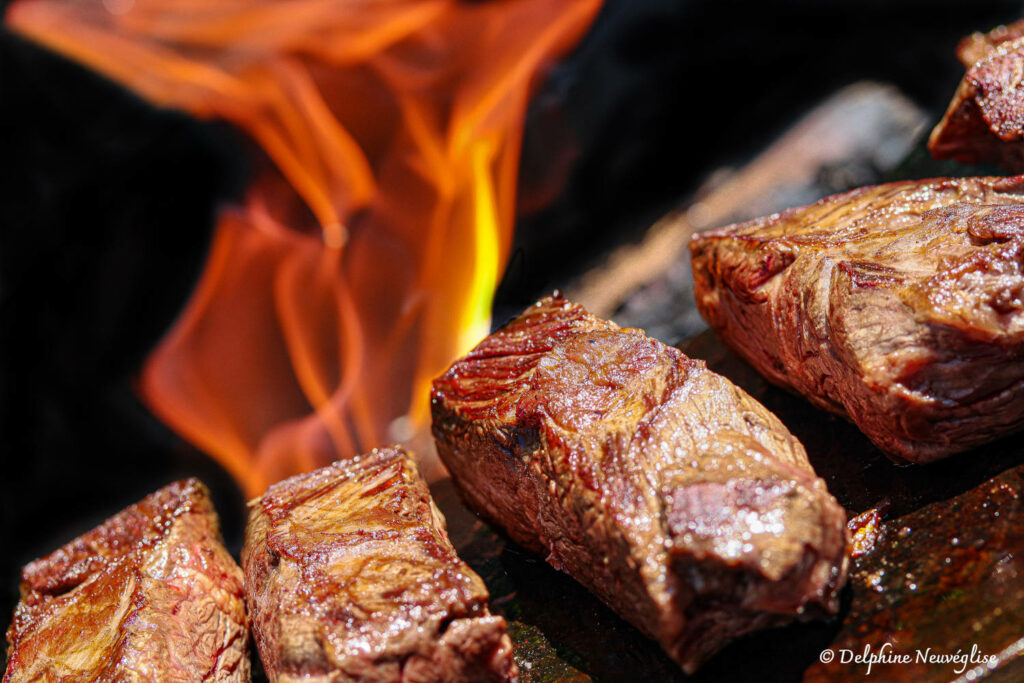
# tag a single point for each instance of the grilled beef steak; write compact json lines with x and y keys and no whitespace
{"x":977,"y":46}
{"x":900,"y":306}
{"x":350,"y":576}
{"x":150,"y":595}
{"x":985,"y":120}
{"x":662,"y":487}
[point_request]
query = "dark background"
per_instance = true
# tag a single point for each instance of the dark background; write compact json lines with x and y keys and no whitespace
{"x":107,"y":204}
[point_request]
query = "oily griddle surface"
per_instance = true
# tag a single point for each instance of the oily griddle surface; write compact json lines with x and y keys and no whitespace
{"x":947,"y":570}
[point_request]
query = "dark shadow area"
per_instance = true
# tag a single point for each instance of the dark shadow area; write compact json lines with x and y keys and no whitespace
{"x":107,"y":207}
{"x":662,"y":92}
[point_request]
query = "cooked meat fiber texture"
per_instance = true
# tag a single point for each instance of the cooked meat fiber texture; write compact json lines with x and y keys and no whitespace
{"x":662,"y":487}
{"x":985,"y":120}
{"x":350,"y":576}
{"x":150,"y":595}
{"x":900,"y":306}
{"x":977,"y":46}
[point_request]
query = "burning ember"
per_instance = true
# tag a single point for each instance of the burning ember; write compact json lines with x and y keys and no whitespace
{"x":369,"y":244}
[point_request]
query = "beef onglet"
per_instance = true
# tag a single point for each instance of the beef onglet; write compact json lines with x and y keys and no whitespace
{"x":985,"y":120}
{"x":900,"y":306}
{"x":663,"y":488}
{"x":350,"y":576}
{"x":978,"y":45}
{"x":150,"y":595}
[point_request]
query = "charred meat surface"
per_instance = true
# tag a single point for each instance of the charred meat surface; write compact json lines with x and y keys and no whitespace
{"x":150,"y":595}
{"x":350,"y":576}
{"x":985,"y":120}
{"x":663,"y":488}
{"x":978,"y":45}
{"x":900,"y":306}
{"x":944,"y":578}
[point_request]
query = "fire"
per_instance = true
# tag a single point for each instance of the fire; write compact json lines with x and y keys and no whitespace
{"x":367,"y":250}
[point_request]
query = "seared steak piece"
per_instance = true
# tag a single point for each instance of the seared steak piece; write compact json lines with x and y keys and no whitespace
{"x":985,"y":120}
{"x":350,"y":576}
{"x":149,"y":595}
{"x":900,"y":306}
{"x":663,"y":488}
{"x":977,"y":46}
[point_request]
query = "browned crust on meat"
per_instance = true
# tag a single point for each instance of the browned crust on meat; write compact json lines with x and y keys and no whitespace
{"x":899,"y":306}
{"x":350,"y":576}
{"x":978,"y":45}
{"x":149,"y":595}
{"x":985,"y":120}
{"x":641,"y":474}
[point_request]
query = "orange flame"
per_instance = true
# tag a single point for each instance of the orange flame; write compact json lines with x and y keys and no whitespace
{"x":368,"y":248}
